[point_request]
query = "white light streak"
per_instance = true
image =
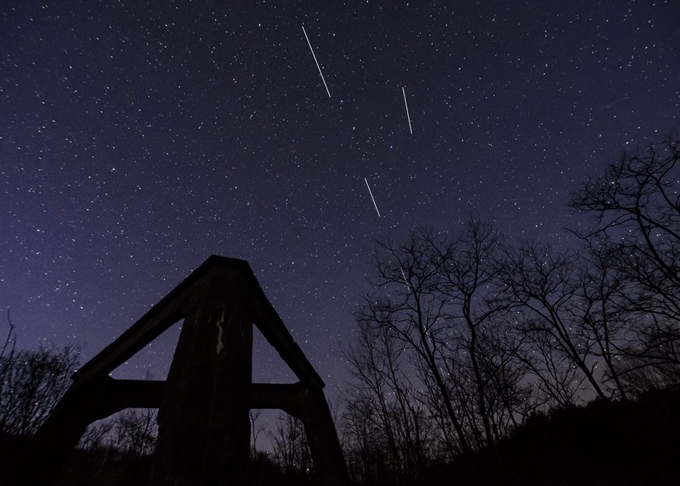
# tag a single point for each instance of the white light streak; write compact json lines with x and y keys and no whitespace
{"x":317,"y":62}
{"x":612,"y":104}
{"x":408,"y":286}
{"x":403,"y":90}
{"x":372,"y":198}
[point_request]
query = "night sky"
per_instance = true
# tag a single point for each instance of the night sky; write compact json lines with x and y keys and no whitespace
{"x":139,"y":137}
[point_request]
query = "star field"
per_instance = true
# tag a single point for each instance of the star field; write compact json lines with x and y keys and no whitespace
{"x":138,"y":138}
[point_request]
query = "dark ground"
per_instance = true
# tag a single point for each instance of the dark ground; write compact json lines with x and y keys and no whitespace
{"x":600,"y":444}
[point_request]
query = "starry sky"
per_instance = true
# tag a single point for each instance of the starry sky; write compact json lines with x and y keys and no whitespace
{"x":139,"y":137}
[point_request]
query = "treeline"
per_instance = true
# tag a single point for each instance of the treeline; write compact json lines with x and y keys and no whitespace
{"x":467,"y":334}
{"x":32,"y":381}
{"x":468,"y":351}
{"x":602,"y":443}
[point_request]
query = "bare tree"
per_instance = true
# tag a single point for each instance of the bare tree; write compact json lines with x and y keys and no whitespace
{"x":543,"y":284}
{"x":32,"y":382}
{"x":96,"y":442}
{"x":136,"y":431}
{"x":290,"y":447}
{"x":556,"y":378}
{"x":510,"y":395}
{"x":383,"y":411}
{"x":470,"y":266}
{"x":639,"y":375}
{"x":365,"y":451}
{"x":256,"y":428}
{"x":570,"y":319}
{"x":634,"y":211}
{"x":7,"y":363}
{"x":602,"y":316}
{"x":436,"y":308}
{"x":411,"y":308}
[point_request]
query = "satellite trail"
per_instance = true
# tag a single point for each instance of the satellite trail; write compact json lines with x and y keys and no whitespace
{"x":317,"y":62}
{"x":408,"y":286}
{"x":403,"y":90}
{"x":371,"y":193}
{"x":612,"y":104}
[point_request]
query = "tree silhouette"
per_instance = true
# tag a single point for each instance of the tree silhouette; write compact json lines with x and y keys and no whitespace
{"x":136,"y":431}
{"x":542,"y":285}
{"x":432,"y":333}
{"x":32,"y":382}
{"x":387,"y":432}
{"x":290,"y":447}
{"x":634,"y":211}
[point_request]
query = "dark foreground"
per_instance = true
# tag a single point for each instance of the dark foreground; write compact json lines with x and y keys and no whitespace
{"x":601,"y":444}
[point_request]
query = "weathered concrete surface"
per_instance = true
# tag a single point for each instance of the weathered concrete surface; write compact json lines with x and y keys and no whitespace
{"x":204,"y":432}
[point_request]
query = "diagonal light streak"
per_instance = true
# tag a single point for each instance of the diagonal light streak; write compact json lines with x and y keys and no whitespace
{"x":403,"y":90}
{"x":371,"y":193}
{"x":317,"y":62}
{"x":408,"y":286}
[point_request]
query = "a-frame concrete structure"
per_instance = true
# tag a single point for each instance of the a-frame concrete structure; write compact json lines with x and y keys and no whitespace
{"x":204,"y":432}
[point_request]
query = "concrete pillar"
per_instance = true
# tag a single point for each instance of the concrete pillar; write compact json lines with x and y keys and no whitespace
{"x":323,"y":440}
{"x":204,"y":433}
{"x":307,"y":403}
